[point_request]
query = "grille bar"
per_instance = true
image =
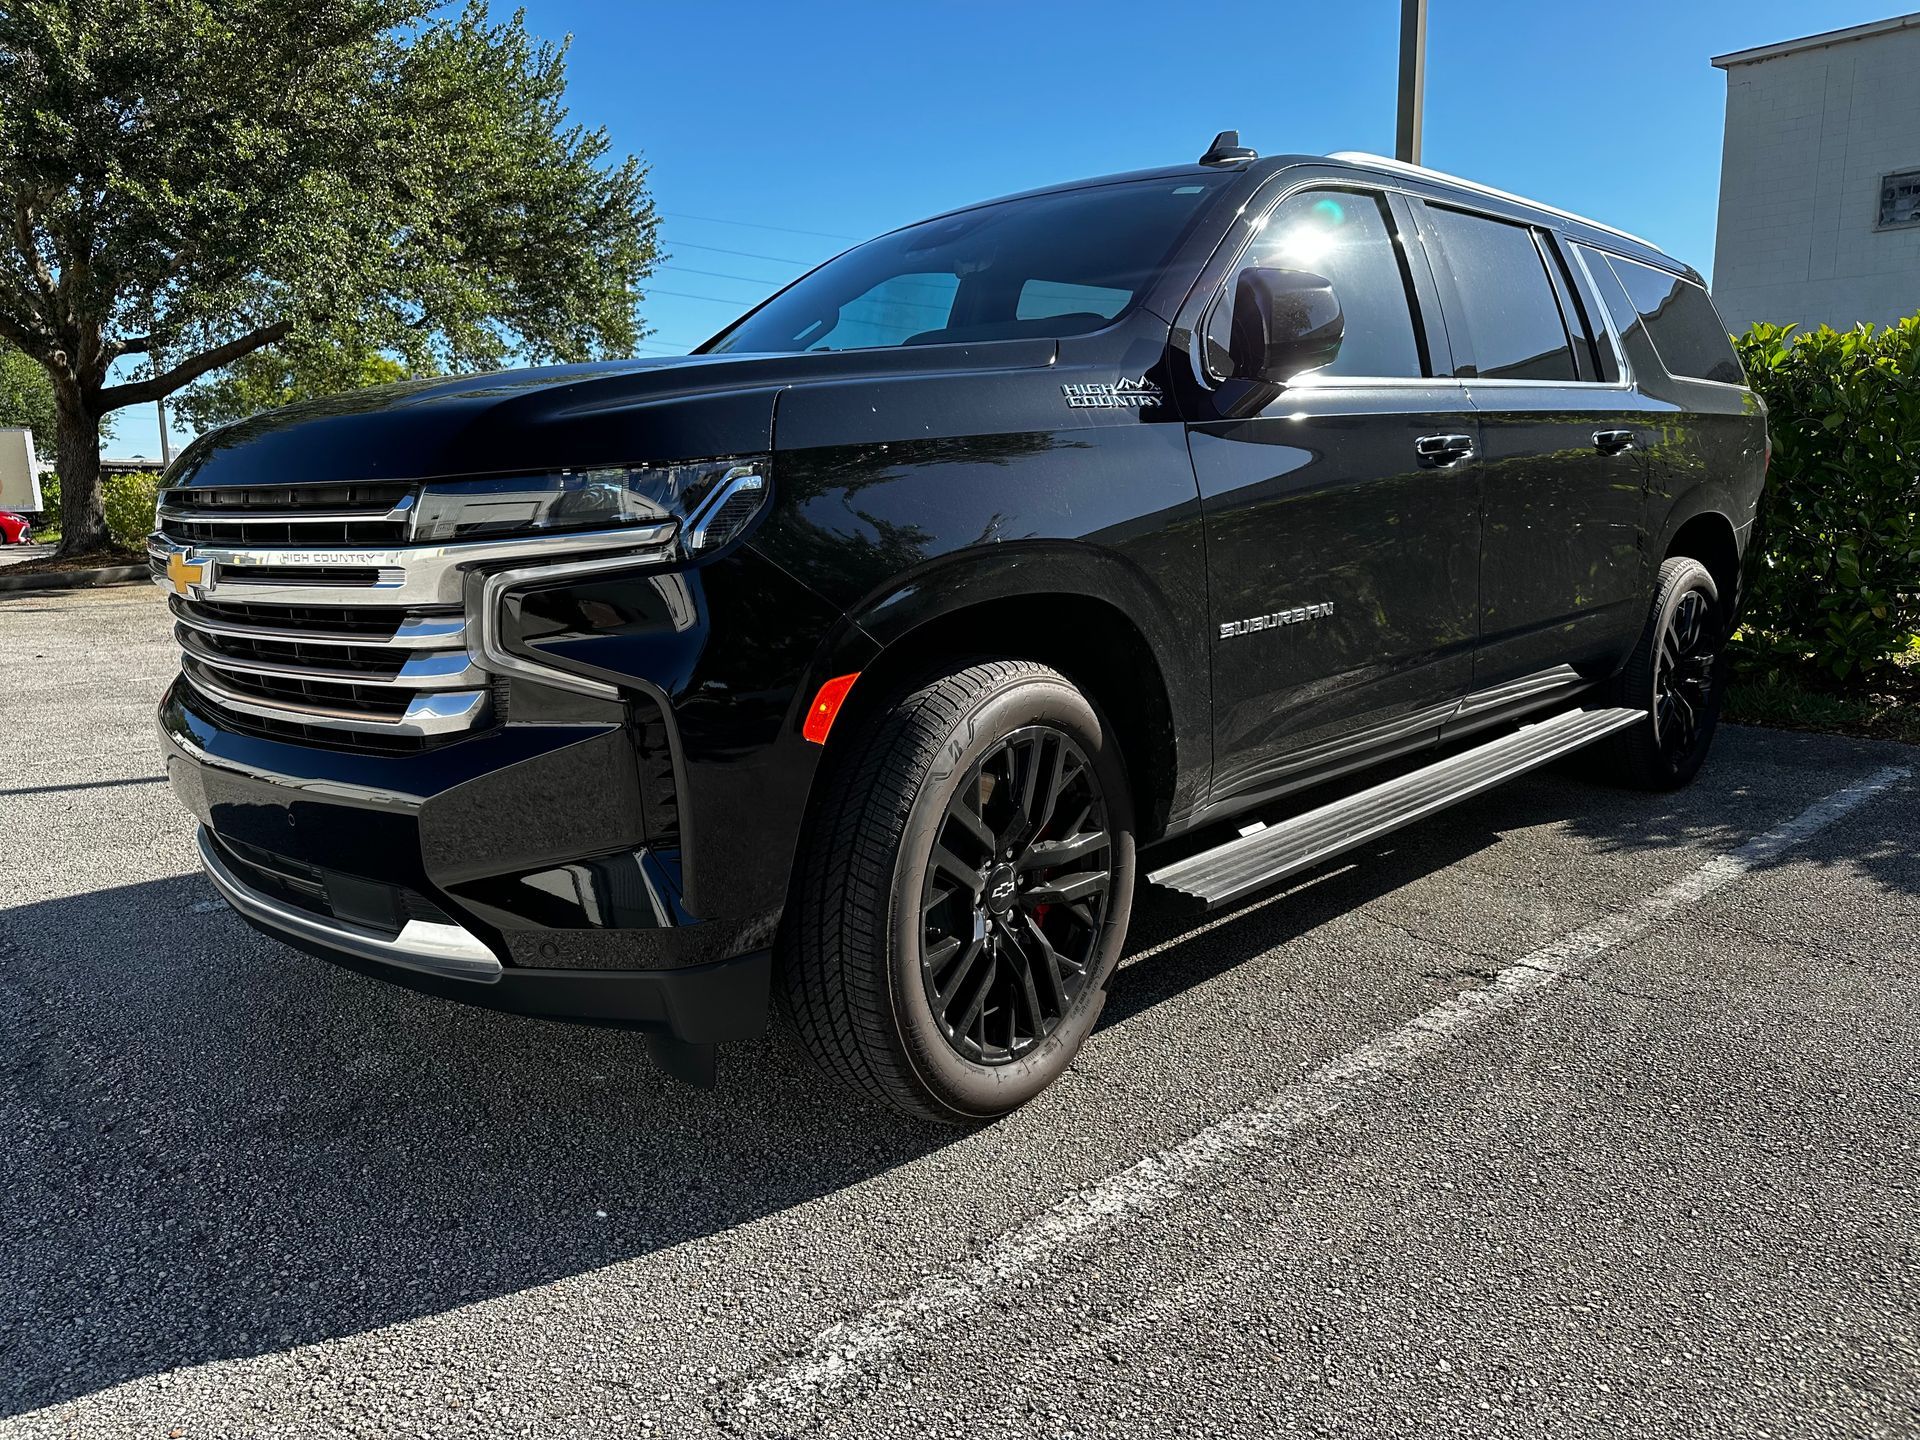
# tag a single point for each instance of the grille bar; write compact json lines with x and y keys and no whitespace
{"x":206,"y":515}
{"x":422,"y":670}
{"x":439,"y":712}
{"x":361,"y":514}
{"x":419,"y":630}
{"x":399,"y":575}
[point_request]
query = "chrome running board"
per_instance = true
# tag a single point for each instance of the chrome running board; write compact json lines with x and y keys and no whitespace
{"x":1248,"y":862}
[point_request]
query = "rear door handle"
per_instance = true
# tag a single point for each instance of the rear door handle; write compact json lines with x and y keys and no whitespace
{"x":1612,"y":442}
{"x":1443,"y":452}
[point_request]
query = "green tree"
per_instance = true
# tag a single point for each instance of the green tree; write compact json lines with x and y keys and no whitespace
{"x":26,"y":399}
{"x":190,"y":181}
{"x":26,"y":395}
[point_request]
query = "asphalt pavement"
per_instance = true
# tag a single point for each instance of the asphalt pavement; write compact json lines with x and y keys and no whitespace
{"x":1570,"y":1112}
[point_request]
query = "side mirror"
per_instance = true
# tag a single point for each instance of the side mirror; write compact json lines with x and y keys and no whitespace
{"x":1284,"y":322}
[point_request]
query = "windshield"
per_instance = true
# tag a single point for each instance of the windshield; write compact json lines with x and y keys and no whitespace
{"x":1056,"y":264}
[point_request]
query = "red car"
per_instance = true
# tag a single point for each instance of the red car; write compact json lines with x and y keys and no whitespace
{"x":14,"y":529}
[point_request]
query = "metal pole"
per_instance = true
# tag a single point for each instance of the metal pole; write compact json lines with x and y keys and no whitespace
{"x":166,"y":441}
{"x":1413,"y":79}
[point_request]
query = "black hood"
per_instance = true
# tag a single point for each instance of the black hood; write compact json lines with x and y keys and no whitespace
{"x":562,"y":416}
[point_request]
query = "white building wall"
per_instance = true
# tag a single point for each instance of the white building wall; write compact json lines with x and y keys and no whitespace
{"x":1809,"y":136}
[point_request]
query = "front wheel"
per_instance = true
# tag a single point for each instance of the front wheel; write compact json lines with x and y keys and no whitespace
{"x":963,"y":894}
{"x":1677,"y":676}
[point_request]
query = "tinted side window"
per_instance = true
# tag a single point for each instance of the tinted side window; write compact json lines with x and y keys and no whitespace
{"x":1345,"y":236}
{"x":1681,"y":322}
{"x":893,"y":311}
{"x":1511,"y":317}
{"x":1042,"y":299}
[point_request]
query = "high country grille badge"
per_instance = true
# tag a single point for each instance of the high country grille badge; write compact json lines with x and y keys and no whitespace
{"x":1231,"y":628}
{"x":1121,"y":395}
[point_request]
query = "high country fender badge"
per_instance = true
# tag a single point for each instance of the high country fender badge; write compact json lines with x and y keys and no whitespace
{"x":1121,"y":395}
{"x":1231,"y":628}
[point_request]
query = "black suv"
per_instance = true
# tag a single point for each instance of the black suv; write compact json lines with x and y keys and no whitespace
{"x":855,"y":659}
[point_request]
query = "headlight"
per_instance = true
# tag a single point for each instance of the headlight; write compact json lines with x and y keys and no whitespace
{"x":711,"y":499}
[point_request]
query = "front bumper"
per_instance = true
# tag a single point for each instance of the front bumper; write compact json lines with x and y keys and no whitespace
{"x":696,"y":1005}
{"x":476,"y":872}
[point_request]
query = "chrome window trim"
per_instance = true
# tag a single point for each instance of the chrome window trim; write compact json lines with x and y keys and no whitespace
{"x":1382,"y":184}
{"x":1654,"y":344}
{"x":447,"y":950}
{"x":1572,"y":250}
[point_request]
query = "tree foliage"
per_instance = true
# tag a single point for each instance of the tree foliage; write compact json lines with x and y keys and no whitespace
{"x":188,"y":181}
{"x":298,"y":368}
{"x":26,"y":399}
{"x":26,"y":395}
{"x":1839,"y":580}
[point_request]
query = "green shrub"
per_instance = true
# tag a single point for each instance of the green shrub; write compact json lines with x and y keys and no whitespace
{"x":129,"y":501}
{"x":1838,"y":583}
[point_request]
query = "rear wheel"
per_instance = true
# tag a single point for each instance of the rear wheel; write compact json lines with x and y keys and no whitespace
{"x":963,"y":895}
{"x":1677,"y":675}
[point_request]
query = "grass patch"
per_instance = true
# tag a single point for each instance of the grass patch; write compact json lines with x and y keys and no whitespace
{"x":1885,"y":707}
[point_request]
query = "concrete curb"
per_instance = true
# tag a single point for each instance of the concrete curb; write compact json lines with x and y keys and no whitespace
{"x":74,"y":579}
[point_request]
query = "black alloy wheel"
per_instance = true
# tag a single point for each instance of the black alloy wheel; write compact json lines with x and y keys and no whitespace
{"x":961,"y":903}
{"x":1015,"y":896}
{"x":1684,"y":675}
{"x":1675,"y":676}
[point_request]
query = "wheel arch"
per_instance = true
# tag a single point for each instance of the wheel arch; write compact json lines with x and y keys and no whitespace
{"x":1709,"y":537}
{"x":1086,"y":614}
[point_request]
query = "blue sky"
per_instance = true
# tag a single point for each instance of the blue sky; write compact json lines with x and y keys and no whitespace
{"x":828,"y":122}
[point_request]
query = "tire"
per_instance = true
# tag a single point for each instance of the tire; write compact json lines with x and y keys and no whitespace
{"x":1681,"y":695}
{"x":919,"y":982}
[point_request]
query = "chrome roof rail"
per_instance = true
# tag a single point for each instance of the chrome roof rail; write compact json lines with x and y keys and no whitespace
{"x":1401,"y":167}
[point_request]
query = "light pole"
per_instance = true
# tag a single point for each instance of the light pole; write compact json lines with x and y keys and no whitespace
{"x":1413,"y":79}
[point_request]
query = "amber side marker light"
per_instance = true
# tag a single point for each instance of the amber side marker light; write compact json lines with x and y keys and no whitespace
{"x":826,"y":705}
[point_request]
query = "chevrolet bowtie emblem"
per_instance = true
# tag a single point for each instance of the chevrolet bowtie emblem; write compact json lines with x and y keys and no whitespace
{"x":186,"y":576}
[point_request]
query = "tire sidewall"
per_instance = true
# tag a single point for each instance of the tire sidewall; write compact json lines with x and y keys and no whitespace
{"x":966,"y":1089}
{"x":1677,"y":770}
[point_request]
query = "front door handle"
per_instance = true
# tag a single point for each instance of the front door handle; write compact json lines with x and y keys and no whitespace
{"x":1443,"y":452}
{"x":1613,"y":442}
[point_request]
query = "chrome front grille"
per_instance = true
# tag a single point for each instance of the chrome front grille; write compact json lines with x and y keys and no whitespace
{"x":353,"y":672}
{"x":296,"y":620}
{"x":399,"y":672}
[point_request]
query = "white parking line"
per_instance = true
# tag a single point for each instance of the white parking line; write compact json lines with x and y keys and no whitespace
{"x":845,"y":1352}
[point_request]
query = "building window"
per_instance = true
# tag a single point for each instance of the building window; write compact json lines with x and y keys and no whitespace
{"x":1900,"y":199}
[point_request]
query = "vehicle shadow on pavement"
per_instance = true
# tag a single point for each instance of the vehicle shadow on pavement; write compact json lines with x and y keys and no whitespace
{"x":219,"y":1148}
{"x":1755,"y":779}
